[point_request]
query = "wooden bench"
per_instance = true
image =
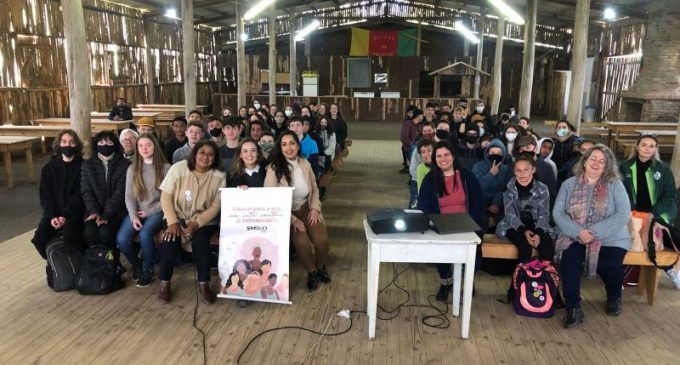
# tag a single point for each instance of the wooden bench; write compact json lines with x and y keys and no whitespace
{"x":628,"y":146}
{"x":499,"y":248}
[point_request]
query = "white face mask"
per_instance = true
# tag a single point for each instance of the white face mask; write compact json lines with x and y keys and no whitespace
{"x":562,"y":132}
{"x":512,"y":113}
{"x":288,"y":113}
{"x":257,"y":106}
{"x":481,"y":131}
{"x":479,"y":108}
{"x":510,"y":136}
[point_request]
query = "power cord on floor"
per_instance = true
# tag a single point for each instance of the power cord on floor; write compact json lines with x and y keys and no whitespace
{"x":426,"y":320}
{"x":205,"y":355}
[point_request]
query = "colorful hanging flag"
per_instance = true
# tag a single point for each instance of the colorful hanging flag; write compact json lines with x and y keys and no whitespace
{"x":383,"y":43}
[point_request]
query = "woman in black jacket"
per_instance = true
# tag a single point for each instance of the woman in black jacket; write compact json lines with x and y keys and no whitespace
{"x":340,"y":126}
{"x":103,"y":189}
{"x":249,"y":168}
{"x":60,"y":194}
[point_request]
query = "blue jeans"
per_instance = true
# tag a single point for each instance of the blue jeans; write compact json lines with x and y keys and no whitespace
{"x":413,"y":191}
{"x":150,"y":225}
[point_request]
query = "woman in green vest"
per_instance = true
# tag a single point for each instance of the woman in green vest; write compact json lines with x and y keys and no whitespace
{"x":650,"y":186}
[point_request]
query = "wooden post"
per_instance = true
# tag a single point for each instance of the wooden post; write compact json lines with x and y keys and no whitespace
{"x":272,"y":58}
{"x":466,"y":48}
{"x":220,"y":76}
{"x":188,"y":61}
{"x":528,"y":59}
{"x":79,"y":88}
{"x":292,"y":57}
{"x":578,"y":63}
{"x":497,"y":65}
{"x":480,"y":56}
{"x":420,"y":36}
{"x":675,"y":161}
{"x":240,"y":58}
{"x":150,"y":66}
{"x":437,"y":86}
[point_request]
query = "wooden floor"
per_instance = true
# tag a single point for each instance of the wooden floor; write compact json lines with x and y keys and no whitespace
{"x":131,"y":327}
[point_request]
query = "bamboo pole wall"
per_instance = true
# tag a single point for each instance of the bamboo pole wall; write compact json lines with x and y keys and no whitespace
{"x":32,"y":64}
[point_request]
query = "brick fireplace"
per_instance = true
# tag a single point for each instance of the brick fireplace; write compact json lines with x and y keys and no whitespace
{"x":655,"y":95}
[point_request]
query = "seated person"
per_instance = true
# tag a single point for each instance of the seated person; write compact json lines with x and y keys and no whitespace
{"x":128,"y":140}
{"x":449,"y":188}
{"x":425,"y":150}
{"x":266,"y":143}
{"x":196,"y":179}
{"x":289,"y":168}
{"x":120,"y":111}
{"x":195,"y":116}
{"x":178,"y":139}
{"x":426,"y":131}
{"x":524,"y":124}
{"x":493,"y":175}
{"x":527,"y":213}
{"x":148,"y":125}
{"x":257,"y":127}
{"x":232,"y":135}
{"x":308,"y":147}
{"x":247,"y":169}
{"x":60,"y":196}
{"x":194,"y":133}
{"x":142,"y":200}
{"x":468,"y":151}
{"x":102,"y":186}
{"x":215,"y":125}
{"x":526,"y":146}
{"x":545,"y":150}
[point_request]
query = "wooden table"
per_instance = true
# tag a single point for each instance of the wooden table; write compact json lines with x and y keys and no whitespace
{"x":96,"y":124}
{"x":177,"y":107}
{"x":616,"y":128}
{"x":662,"y":136}
{"x":8,"y":144}
{"x":41,"y":131}
{"x":135,"y":116}
{"x":459,"y":249}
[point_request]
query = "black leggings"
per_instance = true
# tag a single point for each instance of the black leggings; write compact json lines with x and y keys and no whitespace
{"x":104,"y":235}
{"x":72,"y":232}
{"x":200,"y":245}
{"x":546,"y":249}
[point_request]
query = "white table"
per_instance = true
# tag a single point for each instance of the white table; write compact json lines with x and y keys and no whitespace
{"x":428,"y":247}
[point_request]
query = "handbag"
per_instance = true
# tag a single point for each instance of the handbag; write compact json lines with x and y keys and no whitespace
{"x":663,"y":237}
{"x":638,"y":226}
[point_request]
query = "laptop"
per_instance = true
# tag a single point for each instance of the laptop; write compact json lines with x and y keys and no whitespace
{"x":453,"y":223}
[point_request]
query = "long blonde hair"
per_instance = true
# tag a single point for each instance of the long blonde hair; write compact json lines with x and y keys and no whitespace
{"x":158,"y":163}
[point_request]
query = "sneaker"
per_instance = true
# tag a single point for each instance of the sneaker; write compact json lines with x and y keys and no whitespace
{"x":136,"y":271}
{"x":674,"y":274}
{"x":145,"y":278}
{"x":574,"y":316}
{"x":323,"y":275}
{"x":613,"y":307}
{"x":312,"y":283}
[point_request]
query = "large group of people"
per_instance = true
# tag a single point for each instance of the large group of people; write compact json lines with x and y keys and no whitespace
{"x":135,"y":184}
{"x":563,"y":196}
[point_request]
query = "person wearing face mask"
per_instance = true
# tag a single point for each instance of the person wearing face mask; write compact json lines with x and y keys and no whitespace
{"x":215,"y":130}
{"x":426,"y":132}
{"x":563,"y":149}
{"x":324,"y":129}
{"x":501,"y":122}
{"x":468,"y":151}
{"x":102,"y":186}
{"x":256,"y":104}
{"x":288,"y":111}
{"x":480,"y":111}
{"x":442,"y":132}
{"x":493,"y":176}
{"x":280,"y":123}
{"x":266,"y":143}
{"x":60,"y":196}
{"x":511,"y":133}
{"x":526,"y":146}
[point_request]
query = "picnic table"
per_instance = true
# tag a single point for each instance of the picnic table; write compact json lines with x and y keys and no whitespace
{"x":662,"y":136}
{"x":96,"y":124}
{"x":135,"y":116}
{"x":9,"y":144}
{"x":616,"y":129}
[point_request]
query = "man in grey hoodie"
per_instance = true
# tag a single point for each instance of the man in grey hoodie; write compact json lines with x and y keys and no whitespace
{"x":493,"y":176}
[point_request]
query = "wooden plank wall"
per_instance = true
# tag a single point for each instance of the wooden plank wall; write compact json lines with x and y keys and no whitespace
{"x":32,"y":63}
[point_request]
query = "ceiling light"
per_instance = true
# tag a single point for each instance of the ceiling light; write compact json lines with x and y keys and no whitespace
{"x":508,"y":12}
{"x":609,"y":14}
{"x":466,"y":32}
{"x":244,"y":36}
{"x":171,"y":13}
{"x":257,"y":9}
{"x":300,"y":36}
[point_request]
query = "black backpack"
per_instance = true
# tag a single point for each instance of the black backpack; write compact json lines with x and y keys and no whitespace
{"x":98,"y":272}
{"x":63,"y":265}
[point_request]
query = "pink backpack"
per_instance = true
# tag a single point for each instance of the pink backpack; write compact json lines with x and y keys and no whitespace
{"x":535,"y":285}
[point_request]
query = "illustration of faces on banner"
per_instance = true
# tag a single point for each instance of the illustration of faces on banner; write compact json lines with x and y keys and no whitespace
{"x":256,"y":272}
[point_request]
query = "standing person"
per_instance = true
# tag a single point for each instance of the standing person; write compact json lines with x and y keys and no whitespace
{"x":563,"y":149}
{"x":650,"y":186}
{"x":430,"y":114}
{"x":248,"y":169}
{"x":591,"y":213}
{"x":527,"y":213}
{"x":128,"y":140}
{"x":102,"y":183}
{"x":468,"y":151}
{"x":142,"y":200}
{"x":60,"y":196}
{"x":120,"y":111}
{"x":190,"y":201}
{"x":448,"y":188}
{"x":178,"y":139}
{"x":340,"y":125}
{"x":194,"y":133}
{"x":287,"y":168}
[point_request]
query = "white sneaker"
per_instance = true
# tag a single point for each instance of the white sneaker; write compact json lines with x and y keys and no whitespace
{"x":674,"y":274}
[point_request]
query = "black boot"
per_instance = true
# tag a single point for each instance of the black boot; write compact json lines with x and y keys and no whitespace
{"x":443,"y":293}
{"x":312,"y":282}
{"x":574,"y":316}
{"x":613,"y":307}
{"x":323,"y":275}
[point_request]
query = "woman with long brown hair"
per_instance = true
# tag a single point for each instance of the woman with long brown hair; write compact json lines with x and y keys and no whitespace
{"x":143,"y":203}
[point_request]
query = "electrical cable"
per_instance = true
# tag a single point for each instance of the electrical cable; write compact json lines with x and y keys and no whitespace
{"x":205,"y":355}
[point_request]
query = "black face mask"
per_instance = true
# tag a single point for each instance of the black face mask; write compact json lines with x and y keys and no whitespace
{"x":106,"y":150}
{"x":470,"y":139}
{"x":216,"y":132}
{"x":443,"y":134}
{"x":67,"y":151}
{"x":496,"y":158}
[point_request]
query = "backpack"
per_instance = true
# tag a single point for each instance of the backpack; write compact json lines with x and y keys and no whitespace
{"x":662,"y":237}
{"x":63,"y":265}
{"x":535,"y":285}
{"x":98,"y":272}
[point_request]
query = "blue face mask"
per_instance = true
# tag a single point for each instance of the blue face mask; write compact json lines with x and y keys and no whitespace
{"x":562,"y":132}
